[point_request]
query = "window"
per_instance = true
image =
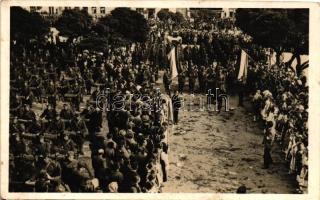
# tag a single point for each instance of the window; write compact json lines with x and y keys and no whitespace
{"x":33,"y":9}
{"x":102,"y":10}
{"x":85,"y":9}
{"x":51,"y":10}
{"x":140,"y":10}
{"x":151,"y":13}
{"x":94,"y":10}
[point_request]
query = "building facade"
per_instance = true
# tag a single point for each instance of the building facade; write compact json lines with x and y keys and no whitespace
{"x":97,"y":12}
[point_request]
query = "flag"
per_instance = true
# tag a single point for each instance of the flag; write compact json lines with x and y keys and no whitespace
{"x":173,"y":65}
{"x":243,"y":66}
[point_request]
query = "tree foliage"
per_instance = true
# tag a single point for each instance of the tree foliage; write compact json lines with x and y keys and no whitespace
{"x":163,"y":14}
{"x":74,"y":23}
{"x":176,"y":17}
{"x":25,"y":25}
{"x":126,"y":22}
{"x":279,"y":29}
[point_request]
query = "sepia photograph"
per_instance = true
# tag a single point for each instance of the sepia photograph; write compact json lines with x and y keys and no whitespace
{"x":158,"y":100}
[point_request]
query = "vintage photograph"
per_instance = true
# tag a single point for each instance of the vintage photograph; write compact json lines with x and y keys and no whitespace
{"x":158,"y":100}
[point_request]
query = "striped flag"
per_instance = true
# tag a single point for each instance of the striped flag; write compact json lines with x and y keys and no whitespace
{"x":172,"y":60}
{"x":243,"y":66}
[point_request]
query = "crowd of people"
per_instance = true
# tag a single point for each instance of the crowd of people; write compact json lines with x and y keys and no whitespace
{"x":280,"y":96}
{"x":54,"y":111}
{"x":206,"y":54}
{"x":281,"y":102}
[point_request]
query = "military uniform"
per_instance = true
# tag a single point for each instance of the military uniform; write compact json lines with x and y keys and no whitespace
{"x":192,"y":78}
{"x":167,"y":81}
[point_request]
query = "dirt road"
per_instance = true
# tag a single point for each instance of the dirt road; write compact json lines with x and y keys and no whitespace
{"x":212,"y":152}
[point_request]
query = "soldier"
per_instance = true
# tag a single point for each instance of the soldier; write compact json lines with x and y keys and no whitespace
{"x":88,"y":80}
{"x":35,"y":84}
{"x":76,"y":91}
{"x":80,"y":128}
{"x":56,"y":126}
{"x":167,"y":81}
{"x":176,"y":105}
{"x":66,"y":114}
{"x":202,"y":78}
{"x":29,"y":116}
{"x":65,"y":144}
{"x":15,"y":126}
{"x":52,"y":92}
{"x":17,"y":144}
{"x":64,"y":86}
{"x":49,"y":113}
{"x":182,"y":76}
{"x":69,"y":165}
{"x":192,"y":78}
{"x":15,"y":104}
{"x":241,"y":85}
{"x":52,"y":168}
{"x":99,"y":165}
{"x":83,"y":176}
{"x":41,"y":146}
{"x":27,"y":94}
{"x":211,"y":78}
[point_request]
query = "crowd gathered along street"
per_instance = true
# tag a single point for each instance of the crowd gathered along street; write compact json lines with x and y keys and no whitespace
{"x":70,"y":144}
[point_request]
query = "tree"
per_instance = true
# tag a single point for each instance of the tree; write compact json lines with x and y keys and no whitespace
{"x":163,"y":14}
{"x":178,"y":17}
{"x":74,"y":23}
{"x":279,"y":29}
{"x":25,"y":25}
{"x":128,"y":23}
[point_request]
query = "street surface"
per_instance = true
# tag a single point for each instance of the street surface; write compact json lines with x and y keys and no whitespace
{"x":211,"y":152}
